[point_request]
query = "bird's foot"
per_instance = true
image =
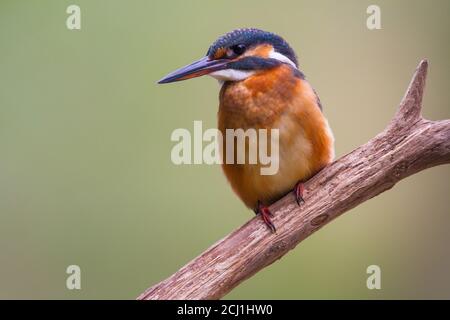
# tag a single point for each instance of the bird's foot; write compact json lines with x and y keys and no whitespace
{"x":298,"y":191}
{"x":265,"y":215}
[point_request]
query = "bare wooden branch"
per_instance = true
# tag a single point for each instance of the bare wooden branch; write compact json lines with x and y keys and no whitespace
{"x":409,"y":144}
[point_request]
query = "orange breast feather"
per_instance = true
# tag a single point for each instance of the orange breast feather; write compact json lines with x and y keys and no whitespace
{"x":275,"y":99}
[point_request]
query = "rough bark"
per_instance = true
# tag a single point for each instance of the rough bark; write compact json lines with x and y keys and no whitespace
{"x":409,"y":144}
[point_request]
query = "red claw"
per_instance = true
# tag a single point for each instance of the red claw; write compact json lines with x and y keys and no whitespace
{"x":265,"y":215}
{"x":298,"y":191}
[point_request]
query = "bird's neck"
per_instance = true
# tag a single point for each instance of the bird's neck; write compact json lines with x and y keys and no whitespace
{"x":258,"y":100}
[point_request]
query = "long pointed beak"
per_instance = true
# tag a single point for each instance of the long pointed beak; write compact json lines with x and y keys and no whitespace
{"x":195,"y":69}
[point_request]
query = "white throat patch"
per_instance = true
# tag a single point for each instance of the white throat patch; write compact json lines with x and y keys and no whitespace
{"x":231,"y":75}
{"x":281,"y":57}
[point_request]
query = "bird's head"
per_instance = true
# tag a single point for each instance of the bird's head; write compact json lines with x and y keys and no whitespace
{"x":238,"y":55}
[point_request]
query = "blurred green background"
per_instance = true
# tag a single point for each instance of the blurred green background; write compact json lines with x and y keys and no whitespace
{"x":85,"y":170}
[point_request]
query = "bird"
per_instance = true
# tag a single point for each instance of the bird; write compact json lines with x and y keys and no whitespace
{"x":262,"y":87}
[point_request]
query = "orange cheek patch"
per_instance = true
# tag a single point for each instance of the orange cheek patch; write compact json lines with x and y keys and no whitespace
{"x":262,"y":51}
{"x":266,"y":80}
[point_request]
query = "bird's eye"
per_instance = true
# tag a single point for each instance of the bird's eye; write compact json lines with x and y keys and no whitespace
{"x":238,"y":49}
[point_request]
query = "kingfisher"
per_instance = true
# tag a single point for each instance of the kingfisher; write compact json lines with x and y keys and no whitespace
{"x":262,"y":87}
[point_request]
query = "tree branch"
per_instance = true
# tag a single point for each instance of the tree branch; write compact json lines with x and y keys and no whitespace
{"x":408,"y":145}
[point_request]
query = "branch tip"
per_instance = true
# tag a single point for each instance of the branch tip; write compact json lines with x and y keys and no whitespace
{"x":411,"y":104}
